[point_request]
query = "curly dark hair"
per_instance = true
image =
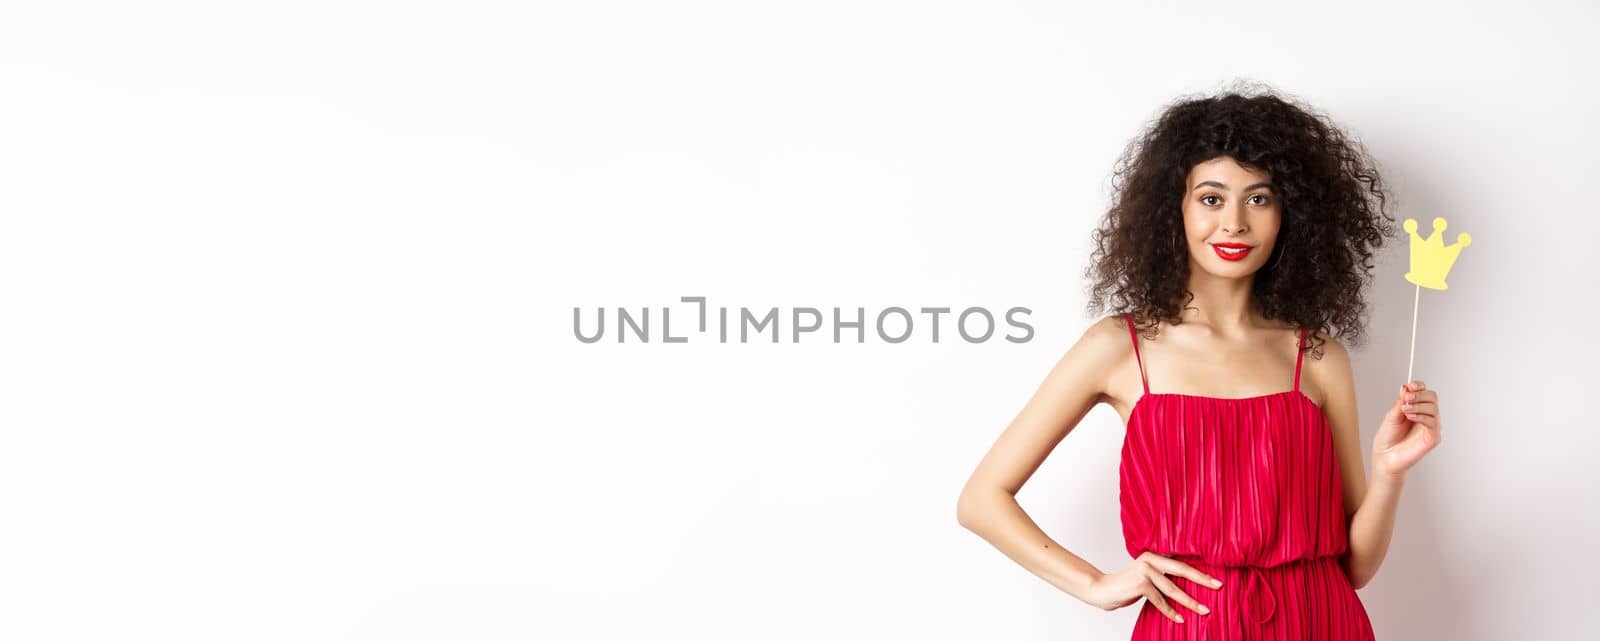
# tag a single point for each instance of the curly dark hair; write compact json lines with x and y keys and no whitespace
{"x":1333,"y":203}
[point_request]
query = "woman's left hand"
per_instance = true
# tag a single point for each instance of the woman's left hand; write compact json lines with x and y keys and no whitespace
{"x":1409,"y":430}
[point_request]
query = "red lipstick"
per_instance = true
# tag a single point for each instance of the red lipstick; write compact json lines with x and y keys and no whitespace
{"x":1234,"y":256}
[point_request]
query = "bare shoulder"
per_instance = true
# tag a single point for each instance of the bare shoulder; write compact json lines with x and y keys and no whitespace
{"x":1103,"y":347}
{"x":1327,"y":368}
{"x":1108,"y":338}
{"x":1332,"y":351}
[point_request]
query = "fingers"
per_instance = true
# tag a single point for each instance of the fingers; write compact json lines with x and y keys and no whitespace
{"x":1420,"y":407}
{"x":1423,"y":409}
{"x":1154,"y":595}
{"x":1172,"y":590}
{"x":1424,"y":419}
{"x":1161,"y":591}
{"x":1173,"y":566}
{"x":1418,"y":396}
{"x":1423,"y":394}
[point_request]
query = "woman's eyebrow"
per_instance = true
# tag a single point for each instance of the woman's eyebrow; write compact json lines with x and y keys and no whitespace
{"x":1218,"y":185}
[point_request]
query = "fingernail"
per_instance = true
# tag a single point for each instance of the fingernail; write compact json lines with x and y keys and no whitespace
{"x":1180,"y":618}
{"x":1204,"y":609}
{"x":1216,"y":582}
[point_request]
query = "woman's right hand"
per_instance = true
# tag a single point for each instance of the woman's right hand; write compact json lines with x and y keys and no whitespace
{"x":1146,"y":577}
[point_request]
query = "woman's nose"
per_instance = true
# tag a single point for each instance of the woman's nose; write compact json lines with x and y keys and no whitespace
{"x":1233,"y":220}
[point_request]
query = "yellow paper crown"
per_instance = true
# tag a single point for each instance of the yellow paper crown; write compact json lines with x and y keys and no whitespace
{"x":1430,"y":259}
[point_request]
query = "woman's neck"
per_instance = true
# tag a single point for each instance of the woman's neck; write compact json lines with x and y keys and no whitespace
{"x":1226,"y":305}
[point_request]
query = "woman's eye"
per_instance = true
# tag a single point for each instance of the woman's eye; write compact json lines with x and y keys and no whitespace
{"x":1207,"y":199}
{"x":1263,"y":199}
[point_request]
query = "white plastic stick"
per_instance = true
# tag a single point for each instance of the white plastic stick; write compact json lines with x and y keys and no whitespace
{"x":1416,"y":303}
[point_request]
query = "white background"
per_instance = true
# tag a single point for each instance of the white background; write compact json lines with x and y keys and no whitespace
{"x":286,"y":297}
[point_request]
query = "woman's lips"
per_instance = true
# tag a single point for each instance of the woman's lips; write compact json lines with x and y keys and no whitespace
{"x":1233,"y":256}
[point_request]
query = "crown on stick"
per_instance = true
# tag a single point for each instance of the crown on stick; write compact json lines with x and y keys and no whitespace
{"x":1430,"y":259}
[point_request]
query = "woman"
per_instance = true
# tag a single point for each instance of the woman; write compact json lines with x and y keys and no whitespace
{"x":1241,"y":228}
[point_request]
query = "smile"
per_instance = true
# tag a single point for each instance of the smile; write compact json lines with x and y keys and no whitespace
{"x":1232,"y":251}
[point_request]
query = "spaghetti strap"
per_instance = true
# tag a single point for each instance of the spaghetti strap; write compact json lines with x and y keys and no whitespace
{"x":1299,"y":355}
{"x":1134,"y":336}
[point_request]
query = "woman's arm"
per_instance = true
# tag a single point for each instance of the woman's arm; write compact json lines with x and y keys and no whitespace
{"x":1371,"y":528}
{"x":988,"y":505}
{"x":1370,"y":501}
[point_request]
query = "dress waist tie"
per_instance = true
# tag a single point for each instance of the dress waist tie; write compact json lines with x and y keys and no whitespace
{"x":1259,"y":598}
{"x":1257,"y":604}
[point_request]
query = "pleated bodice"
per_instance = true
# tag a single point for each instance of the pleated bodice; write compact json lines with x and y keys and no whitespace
{"x":1246,"y":481}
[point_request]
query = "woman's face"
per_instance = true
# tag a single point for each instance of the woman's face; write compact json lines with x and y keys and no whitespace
{"x":1227,"y":205}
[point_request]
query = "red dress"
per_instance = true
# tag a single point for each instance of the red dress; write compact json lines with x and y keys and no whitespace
{"x":1246,"y":490}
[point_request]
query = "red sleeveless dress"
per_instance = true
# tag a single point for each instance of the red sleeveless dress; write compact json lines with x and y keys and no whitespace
{"x":1246,"y":490}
